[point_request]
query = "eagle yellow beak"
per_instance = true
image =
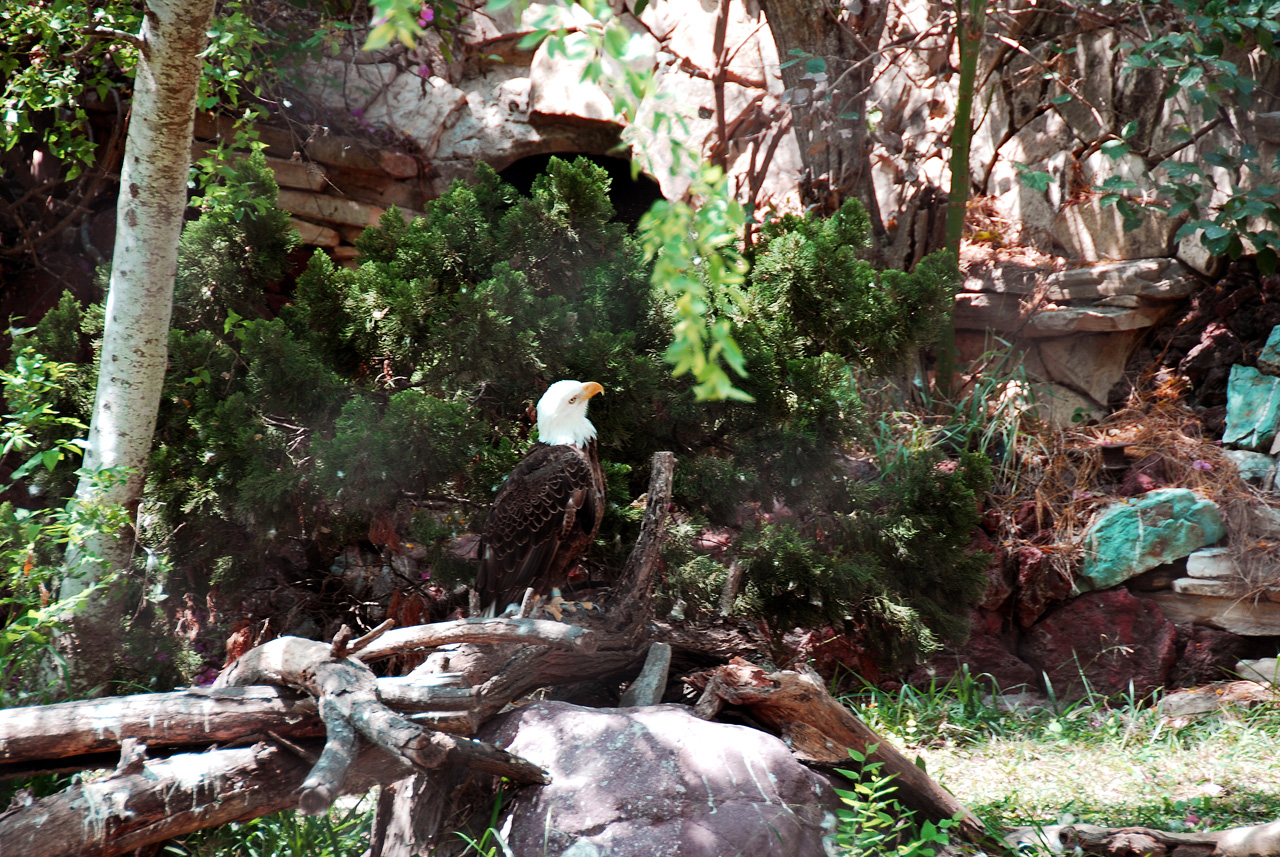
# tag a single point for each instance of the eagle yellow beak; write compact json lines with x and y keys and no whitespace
{"x":590,"y":388}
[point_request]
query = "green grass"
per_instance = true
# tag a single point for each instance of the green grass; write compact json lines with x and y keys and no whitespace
{"x":1108,"y":762}
{"x":341,"y":832}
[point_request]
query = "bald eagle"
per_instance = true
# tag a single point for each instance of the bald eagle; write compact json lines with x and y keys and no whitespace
{"x":549,"y":509}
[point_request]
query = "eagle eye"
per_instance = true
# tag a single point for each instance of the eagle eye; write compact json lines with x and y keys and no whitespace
{"x":573,"y":399}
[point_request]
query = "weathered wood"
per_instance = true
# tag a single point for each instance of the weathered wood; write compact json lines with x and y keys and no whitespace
{"x":633,"y":609}
{"x":526,"y":632}
{"x":1258,"y":840}
{"x":347,"y":689}
{"x":648,"y":687}
{"x":141,"y":804}
{"x":732,"y":583}
{"x":79,"y":732}
{"x":817,"y":728}
{"x":324,"y":783}
{"x":161,"y":720}
{"x":1117,"y":841}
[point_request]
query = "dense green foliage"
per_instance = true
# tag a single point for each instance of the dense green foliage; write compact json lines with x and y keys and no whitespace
{"x":400,"y":392}
{"x":53,"y":58}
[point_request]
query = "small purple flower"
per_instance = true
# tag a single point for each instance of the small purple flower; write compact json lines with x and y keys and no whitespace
{"x":424,"y":71}
{"x":426,"y":15}
{"x":357,"y":112}
{"x":1201,"y":465}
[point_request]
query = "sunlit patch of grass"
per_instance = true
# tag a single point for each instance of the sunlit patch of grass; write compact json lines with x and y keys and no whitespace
{"x":1108,"y":762}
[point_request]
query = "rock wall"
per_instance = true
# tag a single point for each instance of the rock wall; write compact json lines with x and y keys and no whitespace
{"x":1054,"y":88}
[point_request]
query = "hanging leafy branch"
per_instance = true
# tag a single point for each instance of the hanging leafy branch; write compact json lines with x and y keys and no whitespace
{"x":693,"y":245}
{"x":1195,"y":59}
{"x":59,"y":51}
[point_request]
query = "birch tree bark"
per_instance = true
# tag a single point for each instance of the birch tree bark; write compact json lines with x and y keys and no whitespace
{"x":153,"y":196}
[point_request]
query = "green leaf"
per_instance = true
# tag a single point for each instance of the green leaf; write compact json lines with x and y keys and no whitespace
{"x":815,"y":65}
{"x":1115,"y":149}
{"x":1266,"y":261}
{"x":1190,"y":76}
{"x":1037,"y":180}
{"x":379,"y":37}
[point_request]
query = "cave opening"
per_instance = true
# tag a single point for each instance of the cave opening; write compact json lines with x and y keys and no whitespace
{"x":631,"y":198}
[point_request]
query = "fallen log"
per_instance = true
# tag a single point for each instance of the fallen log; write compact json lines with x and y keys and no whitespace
{"x":817,"y":728}
{"x":1258,"y":840}
{"x":147,"y":801}
{"x":349,"y":705}
{"x":79,"y":733}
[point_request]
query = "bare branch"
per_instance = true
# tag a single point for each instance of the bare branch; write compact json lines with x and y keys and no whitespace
{"x":528,"y":632}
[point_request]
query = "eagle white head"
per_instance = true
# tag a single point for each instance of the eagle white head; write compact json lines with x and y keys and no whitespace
{"x":562,"y":413}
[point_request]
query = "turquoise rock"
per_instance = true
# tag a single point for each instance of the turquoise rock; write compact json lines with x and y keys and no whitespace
{"x":1269,"y":358}
{"x":1253,"y":407}
{"x":1253,"y":466}
{"x":1133,"y":536}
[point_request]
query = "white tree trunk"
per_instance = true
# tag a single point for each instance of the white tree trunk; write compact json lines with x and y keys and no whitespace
{"x":153,"y":196}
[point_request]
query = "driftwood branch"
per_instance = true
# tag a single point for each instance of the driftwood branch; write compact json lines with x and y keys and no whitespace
{"x":148,"y":801}
{"x":349,"y":704}
{"x":526,"y":632}
{"x":819,"y":729}
{"x":1259,"y":840}
{"x":73,"y":736}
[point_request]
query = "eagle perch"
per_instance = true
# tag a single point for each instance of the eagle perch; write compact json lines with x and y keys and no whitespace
{"x":548,"y":510}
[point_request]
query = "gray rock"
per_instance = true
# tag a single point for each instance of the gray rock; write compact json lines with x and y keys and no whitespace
{"x":1061,"y":407}
{"x":980,"y":311}
{"x":1213,"y":588}
{"x":1245,"y":617}
{"x":1212,"y":563}
{"x":1148,"y":278}
{"x":1160,"y":278}
{"x":1264,"y":670}
{"x":1096,"y":234}
{"x":658,"y":782}
{"x":1090,"y":364}
{"x":1188,"y":703}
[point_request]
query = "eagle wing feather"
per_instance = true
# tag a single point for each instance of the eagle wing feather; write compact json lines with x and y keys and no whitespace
{"x":545,"y":515}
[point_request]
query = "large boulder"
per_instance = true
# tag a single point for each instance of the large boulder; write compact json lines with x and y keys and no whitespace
{"x":658,"y":782}
{"x":1133,"y":536}
{"x":1101,"y":642}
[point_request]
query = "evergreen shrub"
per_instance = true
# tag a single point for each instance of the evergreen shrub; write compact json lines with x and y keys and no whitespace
{"x":401,"y":391}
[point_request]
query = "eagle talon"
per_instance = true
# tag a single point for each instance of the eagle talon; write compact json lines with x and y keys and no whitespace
{"x":558,"y":607}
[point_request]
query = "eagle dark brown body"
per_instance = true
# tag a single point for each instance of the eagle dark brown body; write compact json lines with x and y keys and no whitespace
{"x":544,"y":517}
